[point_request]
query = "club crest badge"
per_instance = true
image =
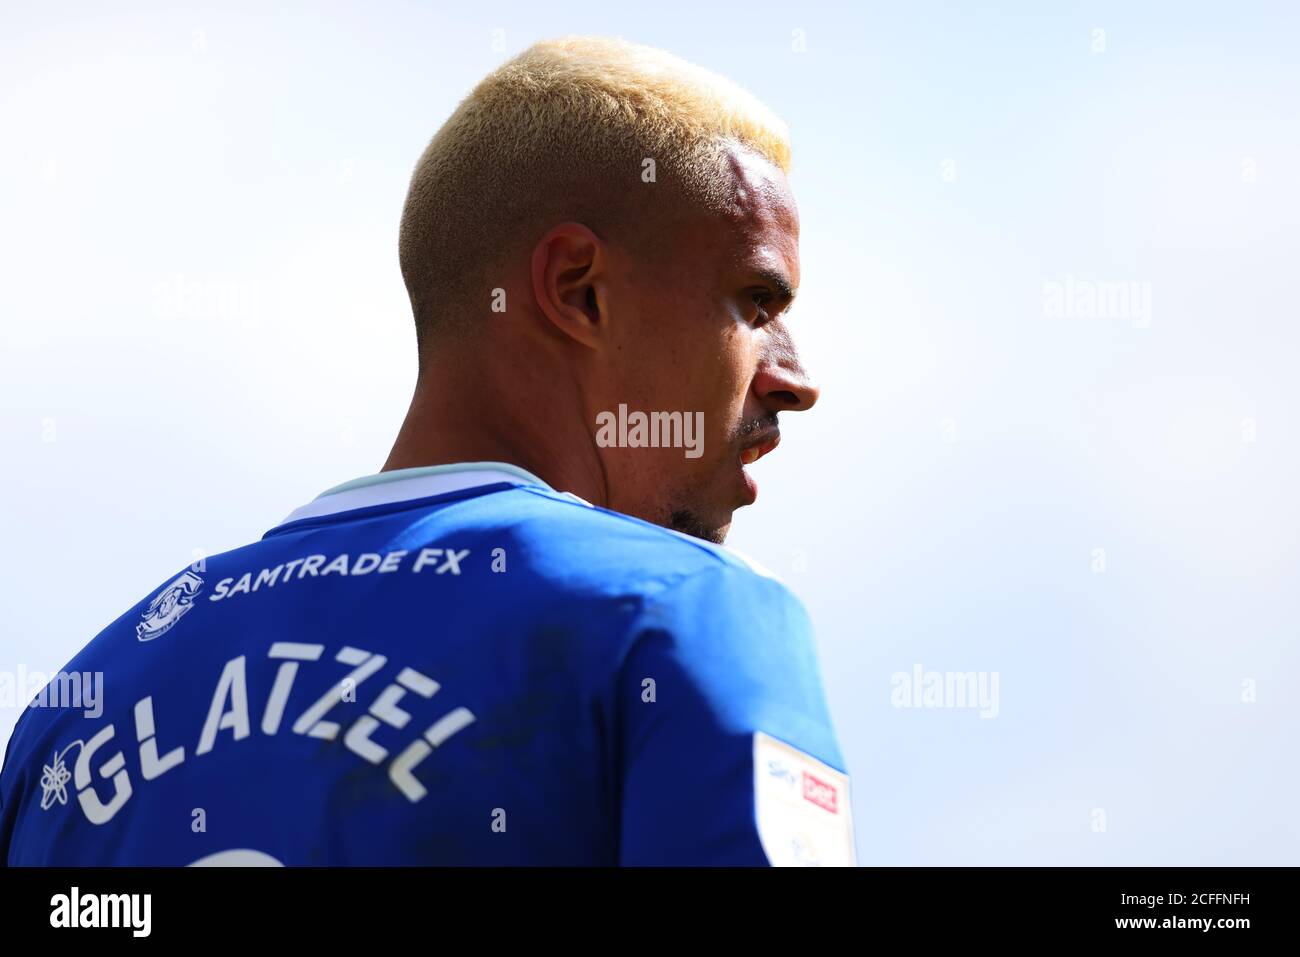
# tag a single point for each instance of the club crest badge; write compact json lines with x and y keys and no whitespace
{"x":168,"y":606}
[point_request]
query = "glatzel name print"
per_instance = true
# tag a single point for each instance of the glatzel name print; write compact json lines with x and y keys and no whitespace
{"x":229,"y":710}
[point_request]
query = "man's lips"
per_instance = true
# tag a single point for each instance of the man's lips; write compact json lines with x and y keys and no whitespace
{"x":760,"y":445}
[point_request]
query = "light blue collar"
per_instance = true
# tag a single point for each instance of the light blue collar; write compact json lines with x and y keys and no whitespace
{"x":401,"y":485}
{"x":398,"y":475}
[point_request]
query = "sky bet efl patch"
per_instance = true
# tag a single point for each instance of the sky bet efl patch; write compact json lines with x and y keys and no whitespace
{"x":801,"y":807}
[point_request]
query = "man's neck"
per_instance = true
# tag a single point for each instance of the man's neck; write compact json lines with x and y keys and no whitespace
{"x":449,"y":425}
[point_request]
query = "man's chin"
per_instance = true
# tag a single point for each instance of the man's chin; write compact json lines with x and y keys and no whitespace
{"x":689,"y":523}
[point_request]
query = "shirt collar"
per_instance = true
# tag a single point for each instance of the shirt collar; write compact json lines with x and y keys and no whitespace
{"x":402,"y":485}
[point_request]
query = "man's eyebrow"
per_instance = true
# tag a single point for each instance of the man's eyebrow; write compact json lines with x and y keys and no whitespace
{"x":784,"y":291}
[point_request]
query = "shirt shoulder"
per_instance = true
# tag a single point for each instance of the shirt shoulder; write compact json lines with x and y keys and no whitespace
{"x":542,"y":532}
{"x":614,"y":546}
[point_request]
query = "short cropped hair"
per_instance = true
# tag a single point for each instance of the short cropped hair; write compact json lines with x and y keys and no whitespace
{"x":564,"y":131}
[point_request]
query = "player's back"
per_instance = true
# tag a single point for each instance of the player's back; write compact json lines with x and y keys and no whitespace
{"x":453,"y":665}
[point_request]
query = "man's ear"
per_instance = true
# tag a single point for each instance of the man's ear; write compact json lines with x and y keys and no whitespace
{"x":569,"y":274}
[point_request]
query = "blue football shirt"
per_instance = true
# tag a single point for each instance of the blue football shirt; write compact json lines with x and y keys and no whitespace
{"x":447,"y":665}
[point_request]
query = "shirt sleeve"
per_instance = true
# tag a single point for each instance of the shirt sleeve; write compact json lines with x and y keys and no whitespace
{"x":728,"y":754}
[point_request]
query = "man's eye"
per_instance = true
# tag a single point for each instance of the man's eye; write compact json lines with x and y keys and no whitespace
{"x":761,"y":299}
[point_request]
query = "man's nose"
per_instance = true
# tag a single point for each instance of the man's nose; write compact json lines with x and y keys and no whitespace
{"x":781,"y":383}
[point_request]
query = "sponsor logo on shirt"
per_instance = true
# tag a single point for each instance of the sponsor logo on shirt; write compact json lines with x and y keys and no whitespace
{"x":819,"y":792}
{"x":801,"y":807}
{"x":778,"y":770}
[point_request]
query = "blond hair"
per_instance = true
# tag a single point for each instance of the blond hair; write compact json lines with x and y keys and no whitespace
{"x":564,"y":131}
